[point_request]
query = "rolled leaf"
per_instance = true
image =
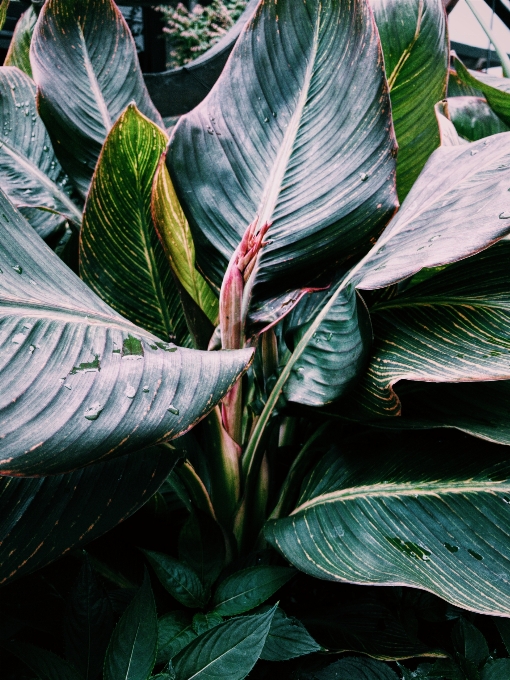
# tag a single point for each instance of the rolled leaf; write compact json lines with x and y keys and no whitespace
{"x":18,"y":53}
{"x":473,"y":118}
{"x":80,"y":383}
{"x":459,"y":205}
{"x":495,"y":89}
{"x":44,"y":518}
{"x":427,"y":512}
{"x":86,"y":69}
{"x":416,"y":55}
{"x":296,"y":136}
{"x":121,"y":257}
{"x":30,"y":173}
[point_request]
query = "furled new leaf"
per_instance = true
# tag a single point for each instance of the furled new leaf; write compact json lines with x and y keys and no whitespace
{"x":416,"y":54}
{"x":228,"y":651}
{"x":121,"y":257}
{"x":18,"y":53}
{"x":29,"y":171}
{"x":429,"y":512}
{"x":473,"y":118}
{"x":495,"y":89}
{"x":79,"y":382}
{"x":337,"y":353}
{"x":44,"y":518}
{"x":86,"y":69}
{"x":459,"y":205}
{"x":296,"y":136}
{"x":246,"y":589}
{"x":178,"y":579}
{"x":287,"y":639}
{"x":131,"y":654}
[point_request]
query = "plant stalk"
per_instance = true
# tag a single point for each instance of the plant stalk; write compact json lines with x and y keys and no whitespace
{"x":503,"y":56}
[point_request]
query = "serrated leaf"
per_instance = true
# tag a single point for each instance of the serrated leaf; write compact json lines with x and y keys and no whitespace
{"x":495,"y":89}
{"x":337,"y":353}
{"x":131,"y":653}
{"x":29,"y":171}
{"x":246,"y":589}
{"x":178,"y":579}
{"x":287,"y":639}
{"x":86,"y":69}
{"x":458,"y":206}
{"x":122,"y":388}
{"x":426,"y":512}
{"x":175,"y":631}
{"x":288,"y":107}
{"x":416,"y":54}
{"x":354,"y":667}
{"x":138,"y":283}
{"x":473,"y":118}
{"x":18,"y":53}
{"x":499,"y":669}
{"x":46,"y":664}
{"x":228,"y":651}
{"x":202,"y":546}
{"x":43,"y":518}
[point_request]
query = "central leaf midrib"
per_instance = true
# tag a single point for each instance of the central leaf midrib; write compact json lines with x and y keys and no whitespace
{"x":404,"y":490}
{"x":94,"y":85}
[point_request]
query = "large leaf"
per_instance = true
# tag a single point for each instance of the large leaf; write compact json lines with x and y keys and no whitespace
{"x":459,"y":205}
{"x":416,"y":54}
{"x":228,"y":651}
{"x":294,"y":135}
{"x":86,"y":68}
{"x":496,"y":89}
{"x":19,"y":48}
{"x":121,"y":257}
{"x":429,"y":512}
{"x":46,"y":517}
{"x":473,"y":118}
{"x":452,"y":327}
{"x":338,"y":352}
{"x":79,"y":382}
{"x":29,"y":171}
{"x":131,"y":654}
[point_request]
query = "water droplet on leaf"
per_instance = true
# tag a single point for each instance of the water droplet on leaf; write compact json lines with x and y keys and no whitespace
{"x":18,"y":269}
{"x":130,"y":392}
{"x":172,"y":409}
{"x":93,"y":412}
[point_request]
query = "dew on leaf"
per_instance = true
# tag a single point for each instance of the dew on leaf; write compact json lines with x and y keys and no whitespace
{"x":363,"y":176}
{"x":145,"y":388}
{"x":31,"y":349}
{"x":94,"y":411}
{"x":18,"y":269}
{"x":172,"y":409}
{"x":130,"y":392}
{"x":502,"y":216}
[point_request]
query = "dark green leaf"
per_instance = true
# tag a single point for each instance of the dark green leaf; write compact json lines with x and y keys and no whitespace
{"x":473,"y":118}
{"x":229,"y":651}
{"x":86,"y":68}
{"x":424,"y":512}
{"x":416,"y":54}
{"x":204,"y":622}
{"x":202,"y":546}
{"x":29,"y":171}
{"x":459,"y":205}
{"x":19,"y":48}
{"x":179,"y":579}
{"x":287,"y":639}
{"x":337,"y":354}
{"x":132,"y":650}
{"x":117,"y":216}
{"x":495,"y":89}
{"x":503,"y":626}
{"x":46,"y":664}
{"x":354,"y":668}
{"x":458,"y":88}
{"x":175,"y":631}
{"x":79,"y":381}
{"x":88,"y":624}
{"x":289,"y":107}
{"x":498,"y":669}
{"x":246,"y":589}
{"x":469,"y":642}
{"x":43,"y":518}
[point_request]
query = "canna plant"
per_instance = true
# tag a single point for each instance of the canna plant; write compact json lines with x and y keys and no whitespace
{"x":301,"y":285}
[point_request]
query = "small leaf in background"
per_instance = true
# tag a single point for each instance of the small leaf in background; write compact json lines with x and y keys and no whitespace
{"x":447,"y":131}
{"x":416,"y":53}
{"x":246,"y":589}
{"x":86,"y":69}
{"x":287,"y":639}
{"x":229,"y":651}
{"x":202,"y":546}
{"x":175,"y":631}
{"x":88,"y":624}
{"x":495,"y":89}
{"x":132,"y":649}
{"x":352,"y":667}
{"x":336,"y":355}
{"x":175,"y":235}
{"x":499,"y":669}
{"x":179,"y":580}
{"x":458,"y":88}
{"x":503,"y":626}
{"x":46,"y":664}
{"x":469,"y":642}
{"x":121,"y":257}
{"x":204,"y":622}
{"x":4,"y":6}
{"x":18,"y":53}
{"x":30,"y":174}
{"x":473,"y":118}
